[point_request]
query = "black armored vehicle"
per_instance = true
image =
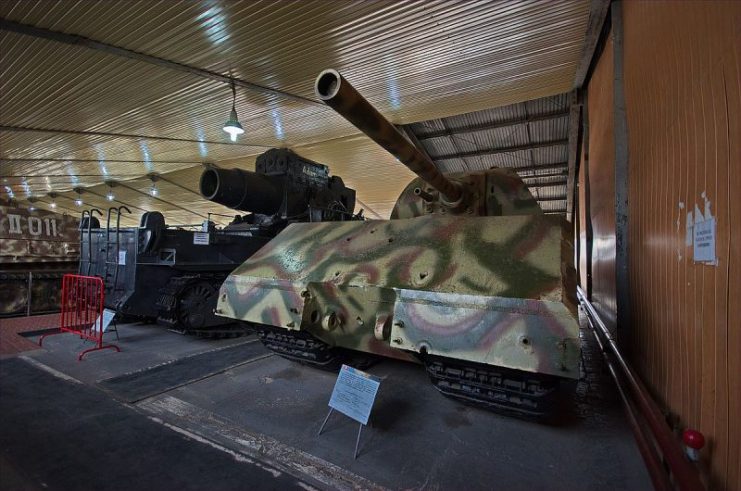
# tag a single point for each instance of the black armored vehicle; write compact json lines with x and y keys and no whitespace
{"x":171,"y":275}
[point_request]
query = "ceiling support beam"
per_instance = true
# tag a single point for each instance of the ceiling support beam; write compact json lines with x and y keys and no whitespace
{"x":559,"y":182}
{"x":552,"y":198}
{"x":574,"y":151}
{"x":598,"y":12}
{"x":114,"y":200}
{"x":162,"y":178}
{"x":561,"y":174}
{"x":123,"y":185}
{"x":496,"y":151}
{"x":529,"y":168}
{"x":47,"y":205}
{"x":493,"y":125}
{"x":545,"y":185}
{"x":77,"y":40}
{"x":122,"y":135}
{"x":98,"y":160}
{"x":415,"y":141}
{"x":622,"y":172}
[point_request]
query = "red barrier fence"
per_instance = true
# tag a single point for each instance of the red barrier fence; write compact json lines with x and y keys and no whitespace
{"x":82,"y":310}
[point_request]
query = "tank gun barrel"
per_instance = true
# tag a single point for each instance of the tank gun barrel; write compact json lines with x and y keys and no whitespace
{"x":242,"y":190}
{"x":340,"y":95}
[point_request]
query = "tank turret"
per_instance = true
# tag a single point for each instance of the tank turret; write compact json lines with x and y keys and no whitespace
{"x":469,"y":278}
{"x":488,"y":193}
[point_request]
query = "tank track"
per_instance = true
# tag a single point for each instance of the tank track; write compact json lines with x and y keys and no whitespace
{"x":220,"y":332}
{"x":302,"y":347}
{"x":205,"y":286}
{"x":512,"y":392}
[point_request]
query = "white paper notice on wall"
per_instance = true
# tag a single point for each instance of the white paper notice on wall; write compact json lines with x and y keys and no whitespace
{"x":200,"y":238}
{"x":122,"y":257}
{"x":704,"y":241}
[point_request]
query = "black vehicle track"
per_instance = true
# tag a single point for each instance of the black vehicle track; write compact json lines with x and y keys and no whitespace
{"x":304,"y":348}
{"x":502,"y":390}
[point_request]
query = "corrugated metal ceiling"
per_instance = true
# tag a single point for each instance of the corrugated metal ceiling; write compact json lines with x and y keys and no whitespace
{"x":507,"y":136}
{"x":414,"y":60}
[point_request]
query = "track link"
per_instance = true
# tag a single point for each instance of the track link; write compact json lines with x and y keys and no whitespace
{"x":513,"y":392}
{"x":304,"y":348}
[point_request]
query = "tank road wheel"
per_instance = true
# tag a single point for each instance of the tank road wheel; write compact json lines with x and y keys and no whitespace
{"x":304,"y":348}
{"x":503,"y":390}
{"x":186,"y":304}
{"x":195,"y":306}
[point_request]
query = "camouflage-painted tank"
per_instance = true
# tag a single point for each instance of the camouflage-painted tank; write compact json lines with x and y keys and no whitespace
{"x":469,"y":277}
{"x":36,"y":249}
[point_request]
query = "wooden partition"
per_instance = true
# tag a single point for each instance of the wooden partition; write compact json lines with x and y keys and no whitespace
{"x":601,"y":178}
{"x":682,"y":62}
{"x":682,"y":87}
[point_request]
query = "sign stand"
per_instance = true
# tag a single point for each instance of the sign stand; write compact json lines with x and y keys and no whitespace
{"x":357,"y":441}
{"x":353,"y":395}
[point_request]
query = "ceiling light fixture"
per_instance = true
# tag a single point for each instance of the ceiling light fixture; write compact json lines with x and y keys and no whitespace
{"x":53,"y":203}
{"x":232,"y":125}
{"x":110,"y":196}
{"x":78,"y":200}
{"x":31,"y":207}
{"x":153,"y":188}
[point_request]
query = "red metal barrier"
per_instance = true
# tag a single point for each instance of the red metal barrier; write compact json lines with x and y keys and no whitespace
{"x":82,"y":310}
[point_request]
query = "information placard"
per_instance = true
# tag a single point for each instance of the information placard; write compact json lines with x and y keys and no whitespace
{"x":704,"y":249}
{"x":201,"y":238}
{"x":354,"y":394}
{"x":108,"y":316}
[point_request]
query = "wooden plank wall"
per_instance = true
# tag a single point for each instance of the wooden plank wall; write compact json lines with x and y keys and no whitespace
{"x":683,"y":96}
{"x":582,"y":219}
{"x":602,"y":184}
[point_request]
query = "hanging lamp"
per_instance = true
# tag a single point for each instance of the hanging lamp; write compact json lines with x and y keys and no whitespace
{"x":232,"y":126}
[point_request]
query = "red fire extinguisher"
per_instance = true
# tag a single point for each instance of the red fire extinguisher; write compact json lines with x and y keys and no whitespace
{"x":693,"y":443}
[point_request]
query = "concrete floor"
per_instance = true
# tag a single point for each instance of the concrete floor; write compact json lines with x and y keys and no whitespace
{"x":268,"y":410}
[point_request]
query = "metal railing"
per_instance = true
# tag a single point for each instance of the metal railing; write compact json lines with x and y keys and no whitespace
{"x":655,"y":439}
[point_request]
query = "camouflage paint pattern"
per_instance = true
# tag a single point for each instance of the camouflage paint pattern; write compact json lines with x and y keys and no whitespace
{"x":36,"y":236}
{"x":42,"y":244}
{"x":488,"y":193}
{"x":483,"y":289}
{"x":468,"y":267}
